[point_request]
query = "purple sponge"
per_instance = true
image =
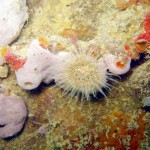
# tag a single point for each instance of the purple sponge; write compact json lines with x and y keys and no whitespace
{"x":13,"y":113}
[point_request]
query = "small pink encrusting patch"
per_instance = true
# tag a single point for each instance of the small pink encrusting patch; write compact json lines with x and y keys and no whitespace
{"x":12,"y":59}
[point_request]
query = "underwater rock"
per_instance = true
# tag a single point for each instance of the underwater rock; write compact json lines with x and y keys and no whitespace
{"x":123,"y":4}
{"x":146,"y":103}
{"x":37,"y":67}
{"x":42,"y":130}
{"x":13,"y":113}
{"x":3,"y":89}
{"x":3,"y":71}
{"x":13,"y":15}
{"x":139,"y":80}
{"x":1,"y":60}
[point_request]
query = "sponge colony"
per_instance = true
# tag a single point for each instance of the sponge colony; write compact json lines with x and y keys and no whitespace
{"x":13,"y":14}
{"x":37,"y":67}
{"x":13,"y":113}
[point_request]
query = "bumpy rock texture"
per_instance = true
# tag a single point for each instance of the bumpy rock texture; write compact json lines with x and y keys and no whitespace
{"x":88,"y":124}
{"x":13,"y":113}
{"x":3,"y":71}
{"x":139,"y":81}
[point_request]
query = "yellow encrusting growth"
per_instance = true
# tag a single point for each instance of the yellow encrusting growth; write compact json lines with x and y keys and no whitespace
{"x":43,"y":42}
{"x":49,"y":18}
{"x":3,"y":51}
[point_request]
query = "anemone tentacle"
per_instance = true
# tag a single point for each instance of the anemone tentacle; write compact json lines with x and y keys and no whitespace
{"x":80,"y":74}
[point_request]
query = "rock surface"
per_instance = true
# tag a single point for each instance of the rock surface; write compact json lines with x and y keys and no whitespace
{"x":13,"y":113}
{"x":3,"y":71}
{"x":139,"y":81}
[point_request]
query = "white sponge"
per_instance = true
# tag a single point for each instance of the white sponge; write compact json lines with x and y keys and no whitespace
{"x":13,"y":14}
{"x":111,"y":61}
{"x":37,"y":68}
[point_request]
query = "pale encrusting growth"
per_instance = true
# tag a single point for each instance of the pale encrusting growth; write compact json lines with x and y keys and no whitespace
{"x":80,"y":74}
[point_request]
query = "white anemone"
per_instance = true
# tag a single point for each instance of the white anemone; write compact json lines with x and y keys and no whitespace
{"x":79,"y":73}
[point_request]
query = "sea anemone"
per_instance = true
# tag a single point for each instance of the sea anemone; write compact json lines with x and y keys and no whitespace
{"x":79,"y":73}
